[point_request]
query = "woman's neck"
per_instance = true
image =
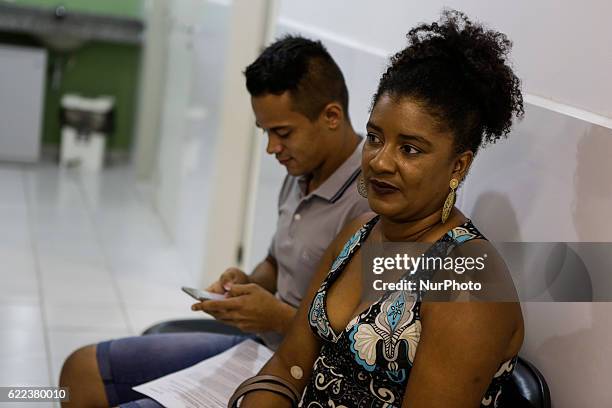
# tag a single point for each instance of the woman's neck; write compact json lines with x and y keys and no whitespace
{"x":427,"y":229}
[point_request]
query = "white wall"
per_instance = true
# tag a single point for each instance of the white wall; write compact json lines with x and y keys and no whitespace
{"x":549,"y":182}
{"x":178,"y":117}
{"x":561,"y":49}
{"x":202,"y":132}
{"x":184,"y":16}
{"x":200,"y":81}
{"x":198,"y":145}
{"x":151,"y":89}
{"x":234,"y":151}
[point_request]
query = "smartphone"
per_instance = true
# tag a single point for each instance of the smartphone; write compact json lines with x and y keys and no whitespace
{"x":202,"y":295}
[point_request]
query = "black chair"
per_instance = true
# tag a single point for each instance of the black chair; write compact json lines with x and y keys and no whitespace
{"x":527,"y":388}
{"x":192,"y":325}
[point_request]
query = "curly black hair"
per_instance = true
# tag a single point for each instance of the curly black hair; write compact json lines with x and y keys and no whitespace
{"x":459,"y":71}
{"x":304,"y":68}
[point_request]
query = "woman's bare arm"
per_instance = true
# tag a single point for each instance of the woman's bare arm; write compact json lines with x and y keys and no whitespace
{"x":462,"y":345}
{"x":300,"y":346}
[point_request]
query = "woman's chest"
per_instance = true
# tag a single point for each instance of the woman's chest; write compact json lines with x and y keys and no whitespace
{"x":344,"y":299}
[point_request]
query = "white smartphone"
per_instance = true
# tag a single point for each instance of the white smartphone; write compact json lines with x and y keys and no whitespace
{"x":202,"y":295}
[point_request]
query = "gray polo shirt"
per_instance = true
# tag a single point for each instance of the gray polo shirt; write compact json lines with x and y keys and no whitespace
{"x":308,"y":223}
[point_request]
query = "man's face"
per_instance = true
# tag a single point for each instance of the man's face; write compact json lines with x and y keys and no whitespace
{"x":295,"y":141}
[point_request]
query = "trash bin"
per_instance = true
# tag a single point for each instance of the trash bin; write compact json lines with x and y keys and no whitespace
{"x":86,"y":126}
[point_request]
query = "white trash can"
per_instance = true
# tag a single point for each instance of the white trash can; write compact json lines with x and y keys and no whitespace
{"x":86,"y":124}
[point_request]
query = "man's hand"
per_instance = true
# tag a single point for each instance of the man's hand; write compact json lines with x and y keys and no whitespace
{"x":250,"y":308}
{"x":230,"y":277}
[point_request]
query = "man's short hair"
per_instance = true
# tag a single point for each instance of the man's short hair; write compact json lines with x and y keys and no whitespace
{"x":305,"y":69}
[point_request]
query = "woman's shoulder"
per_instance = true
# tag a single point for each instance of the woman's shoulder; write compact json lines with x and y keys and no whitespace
{"x":492,"y":308}
{"x":465,"y":232}
{"x":351,"y":229}
{"x":467,"y":239}
{"x":357,"y":224}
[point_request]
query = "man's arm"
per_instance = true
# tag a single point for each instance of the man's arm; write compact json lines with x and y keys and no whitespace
{"x":265,"y":274}
{"x":251,"y":300}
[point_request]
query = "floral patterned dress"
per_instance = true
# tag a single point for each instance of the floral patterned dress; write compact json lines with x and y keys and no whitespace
{"x":368,"y":363}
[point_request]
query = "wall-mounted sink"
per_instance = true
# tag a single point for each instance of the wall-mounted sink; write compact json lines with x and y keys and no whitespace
{"x":64,"y":30}
{"x":61,"y":42}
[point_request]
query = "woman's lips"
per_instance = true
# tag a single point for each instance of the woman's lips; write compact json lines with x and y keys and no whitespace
{"x":382,"y":188}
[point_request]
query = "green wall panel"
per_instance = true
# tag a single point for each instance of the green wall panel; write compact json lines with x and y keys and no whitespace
{"x":126,"y":8}
{"x":96,"y":69}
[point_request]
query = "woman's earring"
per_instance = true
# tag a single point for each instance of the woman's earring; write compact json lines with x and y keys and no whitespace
{"x":450,"y":200}
{"x":361,"y":187}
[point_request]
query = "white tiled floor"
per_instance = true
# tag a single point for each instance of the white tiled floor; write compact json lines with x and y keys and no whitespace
{"x":83,"y":258}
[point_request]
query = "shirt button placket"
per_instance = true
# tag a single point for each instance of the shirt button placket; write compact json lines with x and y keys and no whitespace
{"x":296,"y":217}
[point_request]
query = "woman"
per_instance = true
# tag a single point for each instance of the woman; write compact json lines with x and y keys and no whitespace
{"x":441,"y":98}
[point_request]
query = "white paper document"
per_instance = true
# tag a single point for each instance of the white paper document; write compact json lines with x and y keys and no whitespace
{"x":210,"y":383}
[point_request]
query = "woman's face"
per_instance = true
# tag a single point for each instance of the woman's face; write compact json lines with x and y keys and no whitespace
{"x":408,"y":160}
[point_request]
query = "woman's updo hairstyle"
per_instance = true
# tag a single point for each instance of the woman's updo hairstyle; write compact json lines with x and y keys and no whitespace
{"x":459,"y":72}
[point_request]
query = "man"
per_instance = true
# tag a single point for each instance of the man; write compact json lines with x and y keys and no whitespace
{"x":300,"y":100}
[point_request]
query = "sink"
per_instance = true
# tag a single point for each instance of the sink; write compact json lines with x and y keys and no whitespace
{"x":63,"y":30}
{"x":61,"y":43}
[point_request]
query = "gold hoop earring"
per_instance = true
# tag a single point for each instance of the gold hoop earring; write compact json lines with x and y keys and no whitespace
{"x":450,"y":200}
{"x":362,"y":189}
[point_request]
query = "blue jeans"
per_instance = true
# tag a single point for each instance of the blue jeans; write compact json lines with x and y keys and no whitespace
{"x":131,"y":361}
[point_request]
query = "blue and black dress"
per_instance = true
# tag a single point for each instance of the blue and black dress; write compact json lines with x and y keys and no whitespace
{"x":368,"y":363}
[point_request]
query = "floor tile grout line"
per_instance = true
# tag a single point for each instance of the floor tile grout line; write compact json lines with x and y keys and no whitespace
{"x":36,"y":257}
{"x":105,"y":255}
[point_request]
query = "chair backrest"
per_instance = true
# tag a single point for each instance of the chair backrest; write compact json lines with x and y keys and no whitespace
{"x":527,"y":388}
{"x":193,"y":325}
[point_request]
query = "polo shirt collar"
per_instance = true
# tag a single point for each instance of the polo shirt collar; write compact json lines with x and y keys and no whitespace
{"x":336,"y":184}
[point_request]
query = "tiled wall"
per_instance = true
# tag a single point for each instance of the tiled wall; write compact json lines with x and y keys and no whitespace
{"x":201,"y":134}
